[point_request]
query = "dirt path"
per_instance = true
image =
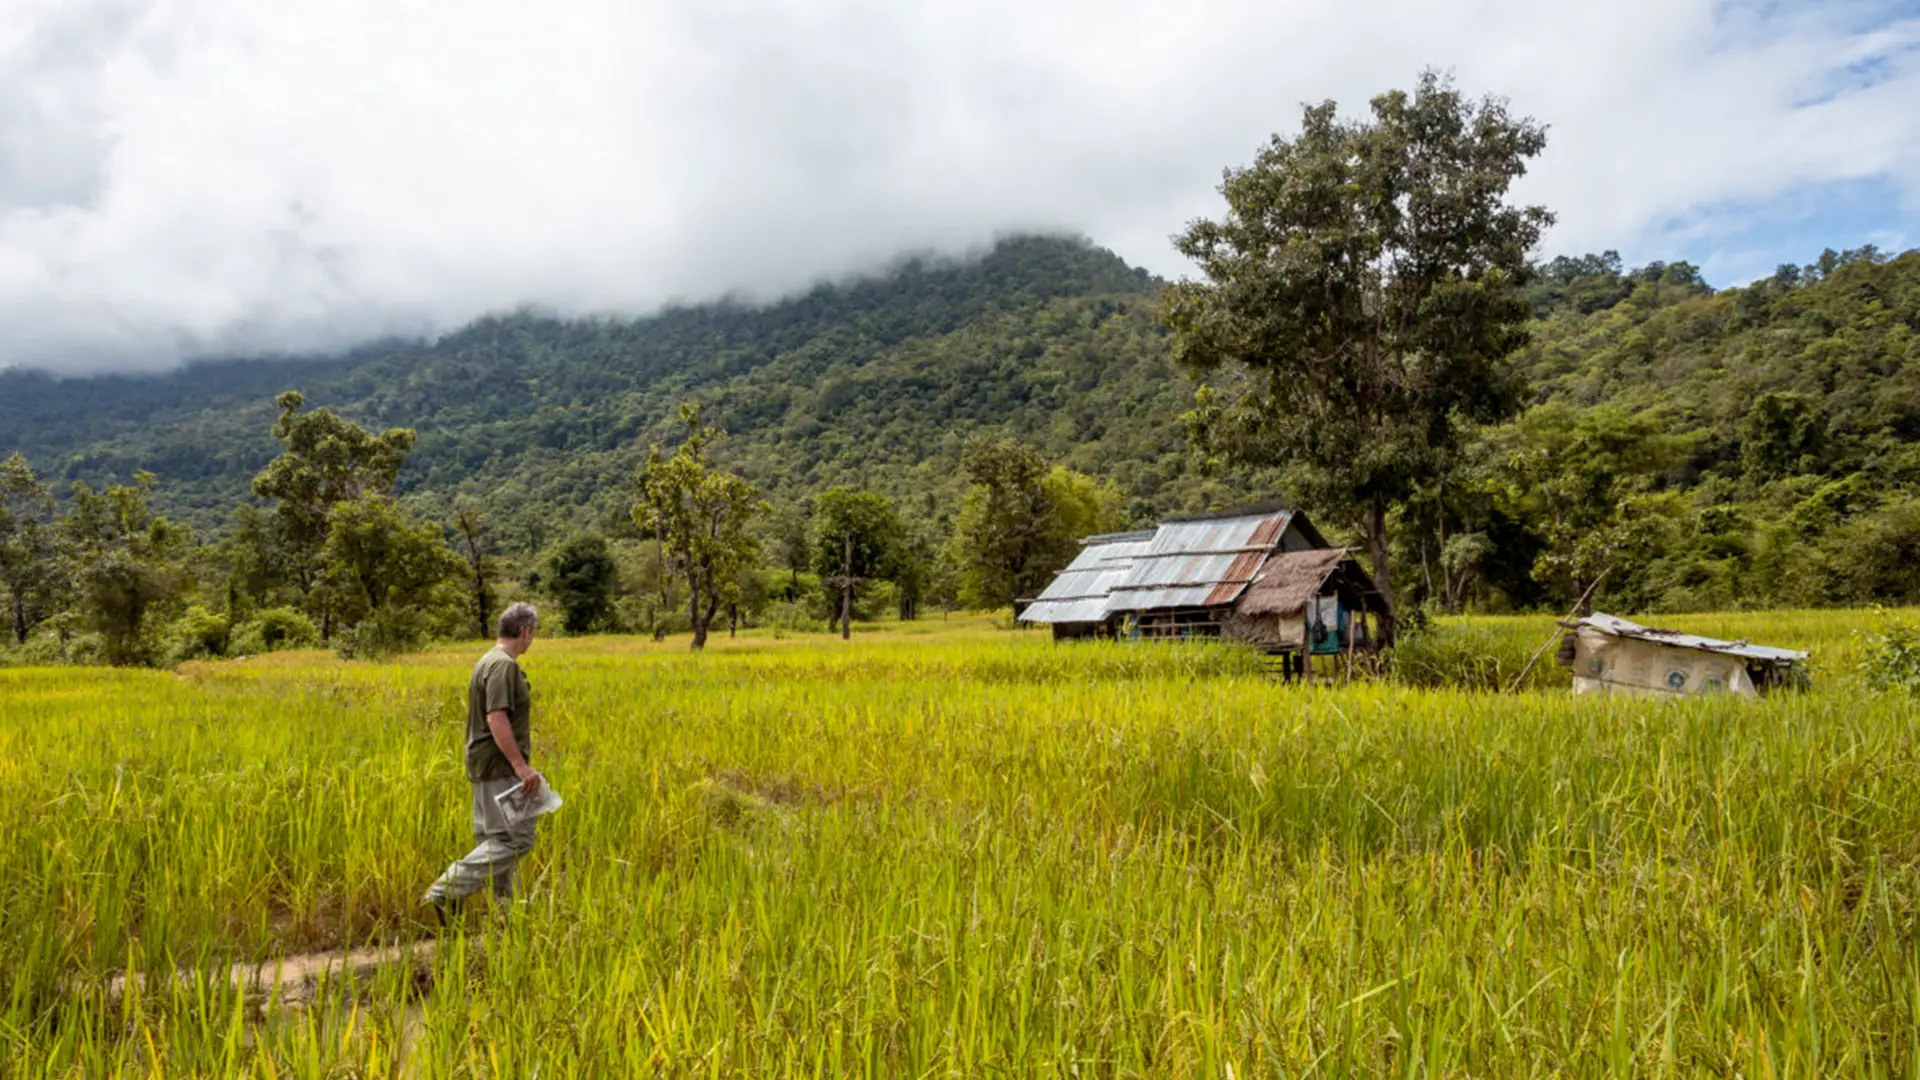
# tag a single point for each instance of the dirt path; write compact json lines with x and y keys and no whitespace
{"x":290,"y":981}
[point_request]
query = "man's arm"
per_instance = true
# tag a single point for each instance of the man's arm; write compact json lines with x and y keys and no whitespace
{"x":502,"y":729}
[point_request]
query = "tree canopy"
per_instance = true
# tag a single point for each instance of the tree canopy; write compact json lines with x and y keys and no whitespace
{"x":1361,"y":304}
{"x":702,"y":518}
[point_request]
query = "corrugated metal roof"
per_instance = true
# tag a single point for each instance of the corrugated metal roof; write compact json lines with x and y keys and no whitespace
{"x":1189,"y":596}
{"x":1080,"y":593}
{"x":1183,"y":564}
{"x":1200,"y":563}
{"x":1091,"y":610}
{"x":1618,"y":627}
{"x":1180,"y":570}
{"x":1219,"y":535}
{"x":1073,"y":584}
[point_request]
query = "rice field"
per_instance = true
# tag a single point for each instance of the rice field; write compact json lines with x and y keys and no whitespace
{"x":944,"y":849}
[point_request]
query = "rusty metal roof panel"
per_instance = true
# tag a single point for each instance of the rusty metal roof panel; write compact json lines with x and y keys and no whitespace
{"x":1221,"y":535}
{"x":1181,"y":570}
{"x":1238,"y":577}
{"x":1618,"y":627}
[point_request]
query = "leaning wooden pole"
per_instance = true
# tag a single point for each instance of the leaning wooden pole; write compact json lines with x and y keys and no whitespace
{"x":1551,"y":638}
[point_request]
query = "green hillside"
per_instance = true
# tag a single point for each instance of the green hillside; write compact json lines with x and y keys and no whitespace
{"x":1739,"y":447}
{"x":1837,"y":343}
{"x":1721,"y":448}
{"x":875,"y":382}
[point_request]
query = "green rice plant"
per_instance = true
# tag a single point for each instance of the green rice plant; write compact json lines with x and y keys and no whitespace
{"x":966,"y":851}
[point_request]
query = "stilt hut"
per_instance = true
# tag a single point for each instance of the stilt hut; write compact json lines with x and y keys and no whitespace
{"x":1314,"y":602}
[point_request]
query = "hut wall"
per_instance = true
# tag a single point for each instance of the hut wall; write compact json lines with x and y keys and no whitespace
{"x":1274,"y":633}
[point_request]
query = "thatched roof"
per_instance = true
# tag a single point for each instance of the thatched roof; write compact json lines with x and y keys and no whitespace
{"x":1289,"y":580}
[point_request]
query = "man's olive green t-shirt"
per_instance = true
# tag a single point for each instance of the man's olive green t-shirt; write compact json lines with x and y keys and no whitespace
{"x":498,"y":686}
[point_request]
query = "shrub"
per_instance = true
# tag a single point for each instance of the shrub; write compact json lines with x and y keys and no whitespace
{"x":1882,"y":556}
{"x":387,"y":632}
{"x":46,"y":648}
{"x":1890,"y":660}
{"x":272,"y":630}
{"x":197,"y":633}
{"x":786,"y":618}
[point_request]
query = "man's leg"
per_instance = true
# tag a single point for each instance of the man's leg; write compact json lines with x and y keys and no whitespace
{"x":515,"y":841}
{"x":496,"y":848}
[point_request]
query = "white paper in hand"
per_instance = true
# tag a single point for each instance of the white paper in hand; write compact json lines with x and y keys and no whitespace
{"x":518,"y":808}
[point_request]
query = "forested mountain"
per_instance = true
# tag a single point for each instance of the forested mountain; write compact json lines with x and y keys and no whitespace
{"x":874,"y":382}
{"x":1741,"y":447}
{"x":1689,"y":437}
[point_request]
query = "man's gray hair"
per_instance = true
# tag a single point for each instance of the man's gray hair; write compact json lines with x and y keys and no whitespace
{"x":518,"y":618}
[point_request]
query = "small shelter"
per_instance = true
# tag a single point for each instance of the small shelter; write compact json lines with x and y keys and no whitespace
{"x":1610,"y":655}
{"x":1319,"y":601}
{"x":1075,"y":603}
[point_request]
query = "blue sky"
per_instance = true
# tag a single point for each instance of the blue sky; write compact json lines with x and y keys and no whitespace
{"x":1736,"y":242}
{"x":184,"y":178}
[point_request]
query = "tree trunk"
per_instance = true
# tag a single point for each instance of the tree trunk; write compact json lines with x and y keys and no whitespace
{"x":482,"y":603}
{"x":19,"y":618}
{"x":1374,"y":524}
{"x":666,"y":593}
{"x":706,"y":617}
{"x":693,"y":611}
{"x":1426,"y":569}
{"x":733,"y":620}
{"x":1458,"y":596}
{"x":846,"y":589}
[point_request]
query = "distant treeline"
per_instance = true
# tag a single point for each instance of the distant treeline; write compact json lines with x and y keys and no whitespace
{"x":332,"y":558}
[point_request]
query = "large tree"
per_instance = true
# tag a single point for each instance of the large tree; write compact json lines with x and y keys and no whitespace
{"x":581,"y":575}
{"x":476,"y":548}
{"x":29,"y":546}
{"x":857,"y":538}
{"x":1361,"y":300}
{"x":253,"y":562}
{"x":387,"y":575}
{"x":701,"y":517}
{"x":328,"y":460}
{"x":1022,"y":520}
{"x":791,"y":549}
{"x":129,"y":565}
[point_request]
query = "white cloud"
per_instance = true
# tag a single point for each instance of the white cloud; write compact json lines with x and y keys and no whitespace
{"x":192,"y":176}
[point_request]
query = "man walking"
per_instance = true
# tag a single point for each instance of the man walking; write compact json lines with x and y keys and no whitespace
{"x":499,"y":704}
